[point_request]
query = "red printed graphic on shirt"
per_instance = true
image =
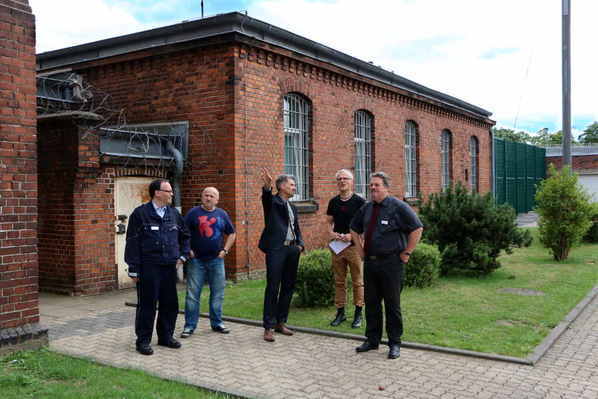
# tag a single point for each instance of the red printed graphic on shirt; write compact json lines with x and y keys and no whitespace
{"x":205,"y":226}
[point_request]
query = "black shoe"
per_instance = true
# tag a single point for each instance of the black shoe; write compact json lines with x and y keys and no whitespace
{"x":144,"y":349}
{"x":339,"y":318}
{"x":357,"y":318}
{"x":221,"y":329}
{"x":394,"y":352}
{"x":366,"y":346}
{"x":170,"y":343}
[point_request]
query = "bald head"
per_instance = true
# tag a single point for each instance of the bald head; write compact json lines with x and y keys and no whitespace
{"x":209,"y":198}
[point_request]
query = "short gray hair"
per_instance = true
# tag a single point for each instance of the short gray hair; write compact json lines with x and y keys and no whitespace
{"x":283,"y":179}
{"x":381,"y":175}
{"x":346,"y":171}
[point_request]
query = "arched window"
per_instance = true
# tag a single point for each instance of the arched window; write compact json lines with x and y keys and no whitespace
{"x":474,"y":151}
{"x":446,"y":158}
{"x":297,"y":116}
{"x":411,"y":161}
{"x":363,"y":124}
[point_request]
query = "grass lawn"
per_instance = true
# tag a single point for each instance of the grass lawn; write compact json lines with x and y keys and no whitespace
{"x":45,"y":374}
{"x":464,"y":312}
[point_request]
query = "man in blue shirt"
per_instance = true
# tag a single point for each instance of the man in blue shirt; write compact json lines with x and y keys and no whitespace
{"x":208,"y":226}
{"x":157,"y":242}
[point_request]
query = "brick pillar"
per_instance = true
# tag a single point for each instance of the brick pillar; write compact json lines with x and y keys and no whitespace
{"x":19,"y":310}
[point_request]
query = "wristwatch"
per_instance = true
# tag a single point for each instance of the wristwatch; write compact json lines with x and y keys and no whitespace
{"x":225,"y":251}
{"x":407,"y":253}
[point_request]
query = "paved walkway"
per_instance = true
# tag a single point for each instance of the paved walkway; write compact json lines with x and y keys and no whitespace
{"x":529,"y":219}
{"x":311,"y":366}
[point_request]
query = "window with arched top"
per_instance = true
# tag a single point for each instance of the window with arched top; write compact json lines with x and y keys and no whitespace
{"x":446,"y":158}
{"x":474,"y":153}
{"x":297,"y":117}
{"x":411,"y":159}
{"x":363,"y":127}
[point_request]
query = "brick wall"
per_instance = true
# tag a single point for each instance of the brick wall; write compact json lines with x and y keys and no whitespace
{"x":265,"y":75}
{"x":18,"y":181}
{"x":580,"y":162}
{"x":231,"y":94}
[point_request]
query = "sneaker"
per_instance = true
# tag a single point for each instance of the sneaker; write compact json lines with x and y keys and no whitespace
{"x":186,"y":333}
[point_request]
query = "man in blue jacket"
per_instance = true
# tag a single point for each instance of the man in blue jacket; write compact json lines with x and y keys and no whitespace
{"x":157,"y":243}
{"x":282,"y":243}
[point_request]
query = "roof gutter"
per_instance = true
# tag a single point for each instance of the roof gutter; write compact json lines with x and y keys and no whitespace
{"x":241,"y":24}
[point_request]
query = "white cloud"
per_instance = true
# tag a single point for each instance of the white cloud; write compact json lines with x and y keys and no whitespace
{"x":65,"y":23}
{"x":450,"y":46}
{"x":503,"y":56}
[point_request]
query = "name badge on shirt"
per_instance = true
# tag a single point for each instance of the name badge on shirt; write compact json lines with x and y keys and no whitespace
{"x":384,"y":221}
{"x":155,"y":227}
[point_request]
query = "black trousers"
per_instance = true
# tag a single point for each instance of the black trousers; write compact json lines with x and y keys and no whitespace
{"x":383,"y":281}
{"x":281,"y":275}
{"x":156,"y":285}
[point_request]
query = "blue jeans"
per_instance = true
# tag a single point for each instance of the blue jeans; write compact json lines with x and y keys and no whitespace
{"x":198,"y":272}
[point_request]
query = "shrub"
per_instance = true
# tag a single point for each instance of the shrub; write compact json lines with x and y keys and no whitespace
{"x":315,"y":282}
{"x":564,"y":209}
{"x":470,"y":230}
{"x":423,"y":267}
{"x":592,"y":233}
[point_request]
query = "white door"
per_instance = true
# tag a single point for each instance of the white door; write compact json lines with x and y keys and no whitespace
{"x":129,"y":193}
{"x":590,"y":183}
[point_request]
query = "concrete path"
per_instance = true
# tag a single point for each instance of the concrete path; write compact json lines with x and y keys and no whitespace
{"x":529,"y":219}
{"x":310,"y":366}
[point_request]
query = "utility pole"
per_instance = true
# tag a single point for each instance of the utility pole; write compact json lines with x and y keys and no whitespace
{"x":201,"y":9}
{"x":566,"y":26}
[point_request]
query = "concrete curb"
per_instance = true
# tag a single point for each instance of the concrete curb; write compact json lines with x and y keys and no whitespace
{"x":530,"y":360}
{"x":563,"y":326}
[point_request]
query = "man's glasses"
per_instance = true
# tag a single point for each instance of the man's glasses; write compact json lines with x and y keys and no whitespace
{"x":167,"y":191}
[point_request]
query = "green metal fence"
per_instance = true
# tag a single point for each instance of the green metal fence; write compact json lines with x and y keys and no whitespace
{"x":518,"y":167}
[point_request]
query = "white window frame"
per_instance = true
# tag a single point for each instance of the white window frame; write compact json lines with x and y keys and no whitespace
{"x":446,"y":158}
{"x":474,"y":153}
{"x":363,"y":127}
{"x":297,"y":116}
{"x":411,"y":161}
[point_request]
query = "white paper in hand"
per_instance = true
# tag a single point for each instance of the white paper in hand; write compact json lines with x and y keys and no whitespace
{"x":338,"y":246}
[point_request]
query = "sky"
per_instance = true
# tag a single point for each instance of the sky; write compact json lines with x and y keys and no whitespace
{"x":503,"y":56}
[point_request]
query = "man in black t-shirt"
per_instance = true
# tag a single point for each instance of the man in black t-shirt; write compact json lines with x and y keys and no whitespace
{"x":341,"y":210}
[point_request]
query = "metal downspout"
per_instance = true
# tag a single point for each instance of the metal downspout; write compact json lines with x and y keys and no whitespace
{"x":178,"y":173}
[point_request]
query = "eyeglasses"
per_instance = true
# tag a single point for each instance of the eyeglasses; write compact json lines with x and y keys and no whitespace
{"x":343,"y":178}
{"x":167,"y":191}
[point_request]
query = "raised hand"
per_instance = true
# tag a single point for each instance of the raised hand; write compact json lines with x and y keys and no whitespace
{"x":266,"y":178}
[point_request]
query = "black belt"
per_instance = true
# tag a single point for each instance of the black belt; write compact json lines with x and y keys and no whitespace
{"x":380,"y":256}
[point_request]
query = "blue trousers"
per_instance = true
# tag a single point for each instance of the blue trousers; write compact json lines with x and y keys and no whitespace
{"x":198,"y":272}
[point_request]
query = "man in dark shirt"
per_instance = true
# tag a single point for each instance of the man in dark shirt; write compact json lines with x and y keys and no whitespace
{"x":282,"y":243}
{"x":157,"y":242}
{"x":390,"y":231}
{"x":341,"y":210}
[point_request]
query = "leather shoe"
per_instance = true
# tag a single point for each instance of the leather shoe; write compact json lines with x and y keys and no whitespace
{"x":144,"y":349}
{"x":268,"y":335}
{"x":221,"y":329}
{"x":339,"y":318}
{"x":284,"y":330}
{"x":170,"y":343}
{"x":394,"y":352}
{"x":366,"y":346}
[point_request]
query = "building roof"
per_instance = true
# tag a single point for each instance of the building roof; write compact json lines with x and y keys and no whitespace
{"x":577,"y":150}
{"x":244,"y":25}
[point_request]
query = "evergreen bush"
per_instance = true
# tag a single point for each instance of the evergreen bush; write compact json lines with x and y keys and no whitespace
{"x":315,"y":282}
{"x":592,"y":233}
{"x":565,"y":212}
{"x":423,"y":267}
{"x":470,"y":230}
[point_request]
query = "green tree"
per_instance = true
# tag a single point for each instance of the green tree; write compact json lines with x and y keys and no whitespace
{"x":470,"y":230}
{"x":590,"y":135}
{"x":511,"y":135}
{"x":543,"y":137}
{"x":565,"y":211}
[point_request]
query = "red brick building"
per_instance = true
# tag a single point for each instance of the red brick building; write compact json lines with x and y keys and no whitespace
{"x":584,"y":163}
{"x":19,"y":312}
{"x":251,"y":95}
